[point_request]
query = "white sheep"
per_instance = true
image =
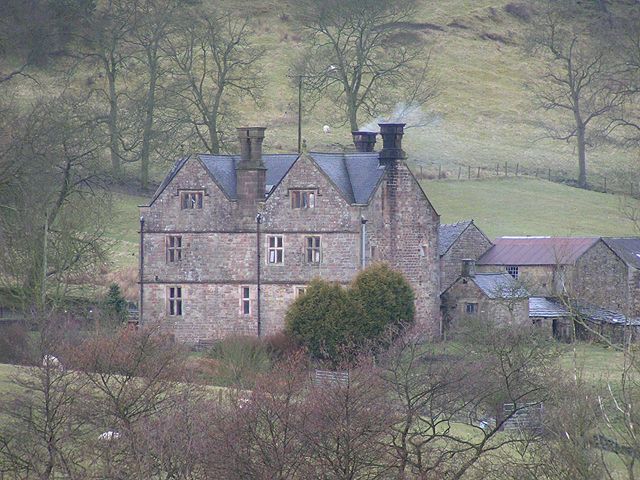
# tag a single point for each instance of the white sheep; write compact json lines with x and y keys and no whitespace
{"x":326,"y":129}
{"x":51,"y":361}
{"x":109,"y":435}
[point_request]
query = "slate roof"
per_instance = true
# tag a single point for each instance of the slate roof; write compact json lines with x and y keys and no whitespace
{"x":628,"y":249}
{"x":448,"y":233}
{"x":536,"y":250}
{"x":546,"y":307}
{"x":499,"y":285}
{"x":356,"y":175}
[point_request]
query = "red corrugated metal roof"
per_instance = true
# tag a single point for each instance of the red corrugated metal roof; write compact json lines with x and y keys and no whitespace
{"x":536,"y":250}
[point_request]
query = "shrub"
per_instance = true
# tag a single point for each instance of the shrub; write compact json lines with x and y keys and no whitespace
{"x":386,"y":299}
{"x":115,"y":305}
{"x":14,"y":343}
{"x":324,"y":319}
{"x":240,"y":360}
{"x":331,"y":321}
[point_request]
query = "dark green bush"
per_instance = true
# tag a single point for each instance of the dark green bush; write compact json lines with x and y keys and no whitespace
{"x":332,"y":321}
{"x":324,"y":319}
{"x":115,"y":305}
{"x":386,"y":299}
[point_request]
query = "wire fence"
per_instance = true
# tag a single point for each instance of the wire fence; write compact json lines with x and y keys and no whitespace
{"x":627,"y":184}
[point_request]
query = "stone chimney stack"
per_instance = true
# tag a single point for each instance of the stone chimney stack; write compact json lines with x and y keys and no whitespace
{"x":391,"y":151}
{"x":250,"y":171}
{"x":364,"y":141}
{"x":468,"y":268}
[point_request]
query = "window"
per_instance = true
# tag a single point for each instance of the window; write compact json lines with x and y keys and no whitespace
{"x":245,"y":300}
{"x":275,"y":250}
{"x":174,"y":248}
{"x":175,"y":301}
{"x":303,"y":198}
{"x":513,"y":270}
{"x":471,"y":308}
{"x":300,"y":291}
{"x":312,"y":249}
{"x":191,"y":200}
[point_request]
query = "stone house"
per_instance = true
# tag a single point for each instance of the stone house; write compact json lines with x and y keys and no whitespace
{"x":229,"y":241}
{"x":458,"y":241}
{"x":603,"y":272}
{"x":494,"y":296}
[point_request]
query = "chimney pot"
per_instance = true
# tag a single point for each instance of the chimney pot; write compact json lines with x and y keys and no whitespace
{"x":468,"y":268}
{"x":251,"y":139}
{"x":391,"y":142}
{"x":364,"y":141}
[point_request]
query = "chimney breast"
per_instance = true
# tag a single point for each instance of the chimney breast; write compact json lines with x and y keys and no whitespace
{"x":391,"y":142}
{"x":364,"y":141}
{"x":251,"y":139}
{"x":468,"y":268}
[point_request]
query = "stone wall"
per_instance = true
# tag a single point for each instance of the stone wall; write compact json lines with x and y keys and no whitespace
{"x":601,"y":279}
{"x":470,"y":244}
{"x":539,"y":280}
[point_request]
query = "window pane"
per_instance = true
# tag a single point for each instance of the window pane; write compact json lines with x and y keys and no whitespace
{"x":312,"y":200}
{"x":272,"y":256}
{"x":178,"y":307}
{"x":179,"y":292}
{"x":199,"y":195}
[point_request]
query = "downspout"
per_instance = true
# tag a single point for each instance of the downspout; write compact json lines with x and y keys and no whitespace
{"x":258,"y":222}
{"x":141,"y":270}
{"x":363,"y":242}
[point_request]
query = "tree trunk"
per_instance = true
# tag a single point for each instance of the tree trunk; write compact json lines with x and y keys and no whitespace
{"x":582,"y":158}
{"x":353,"y":113}
{"x":214,"y":142}
{"x":114,"y":146}
{"x":152,"y":60}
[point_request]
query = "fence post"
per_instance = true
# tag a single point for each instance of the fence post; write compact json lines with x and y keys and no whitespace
{"x":605,"y":184}
{"x":469,"y":172}
{"x":497,"y":169}
{"x":421,"y":176}
{"x":549,"y":174}
{"x":631,"y":185}
{"x":506,"y":172}
{"x":459,"y":172}
{"x":536,"y":172}
{"x":439,"y":171}
{"x":517,"y":169}
{"x":478,"y":172}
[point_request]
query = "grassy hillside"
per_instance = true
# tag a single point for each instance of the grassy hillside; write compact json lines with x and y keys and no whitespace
{"x":523,"y":206}
{"x":483,"y":114}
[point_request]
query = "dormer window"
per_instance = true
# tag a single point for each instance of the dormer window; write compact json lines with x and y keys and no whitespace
{"x":303,"y":198}
{"x":191,"y":200}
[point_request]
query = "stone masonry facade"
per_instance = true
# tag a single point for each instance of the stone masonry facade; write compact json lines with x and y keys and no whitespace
{"x":471,"y":243}
{"x":230,"y":221}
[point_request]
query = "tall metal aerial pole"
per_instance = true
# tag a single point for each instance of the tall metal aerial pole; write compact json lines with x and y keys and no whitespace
{"x":299,"y":113}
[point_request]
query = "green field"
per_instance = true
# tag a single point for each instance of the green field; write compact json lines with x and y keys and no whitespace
{"x":523,"y":206}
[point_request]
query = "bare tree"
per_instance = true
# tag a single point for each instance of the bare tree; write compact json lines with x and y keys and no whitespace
{"x":216,"y":63}
{"x":106,"y":34}
{"x":576,"y":83}
{"x":53,"y":216}
{"x":356,"y":55}
{"x":154,"y":21}
{"x":40,"y":433}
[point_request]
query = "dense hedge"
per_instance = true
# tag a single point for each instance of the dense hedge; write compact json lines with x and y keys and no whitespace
{"x":331,"y":320}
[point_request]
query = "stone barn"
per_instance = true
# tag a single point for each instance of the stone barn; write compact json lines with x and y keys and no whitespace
{"x":229,"y":241}
{"x":492,"y":296}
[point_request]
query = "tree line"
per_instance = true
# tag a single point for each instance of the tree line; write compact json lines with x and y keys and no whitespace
{"x":125,"y":404}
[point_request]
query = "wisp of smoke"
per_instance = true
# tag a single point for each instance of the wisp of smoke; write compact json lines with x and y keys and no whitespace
{"x":409,"y":113}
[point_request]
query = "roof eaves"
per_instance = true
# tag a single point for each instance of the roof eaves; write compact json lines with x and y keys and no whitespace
{"x":468,"y":222}
{"x":183,"y":161}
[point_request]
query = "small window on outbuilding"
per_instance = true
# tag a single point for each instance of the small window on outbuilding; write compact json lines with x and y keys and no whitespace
{"x":513,"y":270}
{"x":471,"y":308}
